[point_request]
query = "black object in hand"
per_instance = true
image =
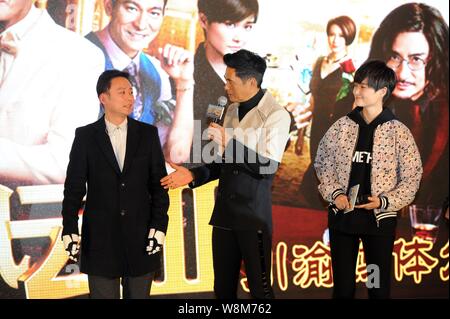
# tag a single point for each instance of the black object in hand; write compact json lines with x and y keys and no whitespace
{"x":362,"y":199}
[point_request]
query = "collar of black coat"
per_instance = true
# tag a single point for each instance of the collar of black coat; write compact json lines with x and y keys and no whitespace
{"x":385,"y":116}
{"x":101,"y":125}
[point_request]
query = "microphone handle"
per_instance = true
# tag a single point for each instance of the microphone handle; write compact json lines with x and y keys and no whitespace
{"x":217,"y":120}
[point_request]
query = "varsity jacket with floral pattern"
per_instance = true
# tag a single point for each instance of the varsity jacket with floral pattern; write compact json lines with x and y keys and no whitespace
{"x":396,"y":164}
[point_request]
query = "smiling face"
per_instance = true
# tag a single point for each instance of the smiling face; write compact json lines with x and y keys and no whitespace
{"x":227,"y":37}
{"x":366,"y":96}
{"x":409,"y":46}
{"x":134,"y":23}
{"x":118,"y":101}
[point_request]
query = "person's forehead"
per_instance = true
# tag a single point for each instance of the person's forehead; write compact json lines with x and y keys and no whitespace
{"x":230,"y":72}
{"x":120,"y":83}
{"x":250,"y":19}
{"x":146,"y":4}
{"x":335,"y":28}
{"x":411,"y":43}
{"x":363,"y":82}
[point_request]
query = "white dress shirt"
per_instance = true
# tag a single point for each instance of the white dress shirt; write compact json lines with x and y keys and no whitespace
{"x":118,"y":137}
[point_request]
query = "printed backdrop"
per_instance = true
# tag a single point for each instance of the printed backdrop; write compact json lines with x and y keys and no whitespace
{"x":291,"y":35}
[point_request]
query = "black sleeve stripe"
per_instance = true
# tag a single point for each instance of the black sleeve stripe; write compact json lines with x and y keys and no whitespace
{"x":336,"y":193}
{"x":384,"y":202}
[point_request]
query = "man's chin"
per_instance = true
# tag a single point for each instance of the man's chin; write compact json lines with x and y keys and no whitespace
{"x":137,"y":46}
{"x":140,"y":47}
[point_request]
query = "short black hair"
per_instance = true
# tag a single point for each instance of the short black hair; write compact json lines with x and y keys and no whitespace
{"x":228,"y":10}
{"x":247,"y":65}
{"x":378,"y":76}
{"x":104,"y":80}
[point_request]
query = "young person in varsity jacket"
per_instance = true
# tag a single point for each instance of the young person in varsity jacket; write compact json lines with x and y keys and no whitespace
{"x":372,"y":148}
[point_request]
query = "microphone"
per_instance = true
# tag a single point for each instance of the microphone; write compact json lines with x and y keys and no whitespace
{"x":215,"y":111}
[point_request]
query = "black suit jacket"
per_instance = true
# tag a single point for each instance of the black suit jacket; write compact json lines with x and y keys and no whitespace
{"x":243,"y":198}
{"x":121,"y":207}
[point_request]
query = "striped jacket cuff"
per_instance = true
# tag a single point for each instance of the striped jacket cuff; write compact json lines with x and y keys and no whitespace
{"x":384,"y":203}
{"x":336,"y":193}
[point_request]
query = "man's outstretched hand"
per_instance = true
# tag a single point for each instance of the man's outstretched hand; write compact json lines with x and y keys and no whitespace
{"x":180,"y":177}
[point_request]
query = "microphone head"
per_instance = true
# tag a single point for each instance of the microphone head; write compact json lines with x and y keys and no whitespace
{"x":222,"y":101}
{"x":215,"y":112}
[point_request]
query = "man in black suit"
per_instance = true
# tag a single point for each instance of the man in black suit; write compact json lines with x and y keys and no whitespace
{"x":125,"y":216}
{"x":251,"y":141}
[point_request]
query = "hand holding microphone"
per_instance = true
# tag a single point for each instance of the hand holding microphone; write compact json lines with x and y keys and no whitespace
{"x":217,"y":132}
{"x":215,"y":112}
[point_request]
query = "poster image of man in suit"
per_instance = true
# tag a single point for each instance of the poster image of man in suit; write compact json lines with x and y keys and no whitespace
{"x":133,"y":26}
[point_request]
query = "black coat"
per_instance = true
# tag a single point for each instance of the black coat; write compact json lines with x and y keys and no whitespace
{"x":120,"y":207}
{"x":243,"y":198}
{"x":248,"y":166}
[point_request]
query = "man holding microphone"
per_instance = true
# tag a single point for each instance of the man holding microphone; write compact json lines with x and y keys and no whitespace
{"x":251,"y":144}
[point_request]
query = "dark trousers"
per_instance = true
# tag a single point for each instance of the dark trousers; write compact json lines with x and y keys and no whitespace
{"x":230,"y":248}
{"x":109,"y":288}
{"x":344,"y":254}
